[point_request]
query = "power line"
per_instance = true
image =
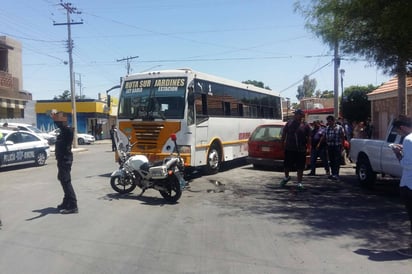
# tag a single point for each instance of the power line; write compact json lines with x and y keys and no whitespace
{"x":215,"y":59}
{"x":127,"y":59}
{"x":297,"y":82}
{"x":30,"y":39}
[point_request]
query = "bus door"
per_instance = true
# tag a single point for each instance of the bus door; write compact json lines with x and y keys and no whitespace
{"x":201,"y":117}
{"x":201,"y":128}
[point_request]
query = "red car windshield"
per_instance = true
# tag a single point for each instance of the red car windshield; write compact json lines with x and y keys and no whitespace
{"x":267,"y":133}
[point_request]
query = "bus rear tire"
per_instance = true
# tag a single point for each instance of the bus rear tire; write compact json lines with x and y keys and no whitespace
{"x":213,"y":159}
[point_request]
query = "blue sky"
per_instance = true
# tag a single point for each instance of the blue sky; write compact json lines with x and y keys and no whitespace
{"x":263,"y":40}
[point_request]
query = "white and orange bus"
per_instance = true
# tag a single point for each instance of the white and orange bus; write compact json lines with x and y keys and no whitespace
{"x":212,"y":117}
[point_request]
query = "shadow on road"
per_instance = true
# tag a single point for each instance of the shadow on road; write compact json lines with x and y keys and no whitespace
{"x":20,"y":166}
{"x":381,"y":255}
{"x":327,"y":208}
{"x":106,"y":175}
{"x":146,"y":200}
{"x":43,"y":212}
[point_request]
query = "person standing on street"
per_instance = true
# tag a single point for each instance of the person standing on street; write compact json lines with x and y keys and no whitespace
{"x":112,"y":132}
{"x":295,"y":138}
{"x":318,"y":149}
{"x":403,"y":152}
{"x":335,"y":138}
{"x":64,"y":157}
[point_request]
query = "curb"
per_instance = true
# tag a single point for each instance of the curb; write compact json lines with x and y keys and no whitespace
{"x":84,"y":147}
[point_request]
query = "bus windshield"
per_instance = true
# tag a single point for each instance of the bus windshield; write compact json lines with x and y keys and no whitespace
{"x":150,"y":99}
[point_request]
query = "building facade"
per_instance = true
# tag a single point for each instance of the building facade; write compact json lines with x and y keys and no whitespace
{"x":12,"y":97}
{"x":93,"y":117}
{"x":384,"y":105}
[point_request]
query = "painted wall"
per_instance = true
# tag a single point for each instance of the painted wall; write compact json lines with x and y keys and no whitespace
{"x":91,"y":115}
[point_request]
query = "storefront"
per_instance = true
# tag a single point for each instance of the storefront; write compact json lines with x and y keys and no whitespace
{"x":92,"y":116}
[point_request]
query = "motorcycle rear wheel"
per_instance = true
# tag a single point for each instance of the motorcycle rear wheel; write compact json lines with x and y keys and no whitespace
{"x":122,"y":185}
{"x":173,"y":192}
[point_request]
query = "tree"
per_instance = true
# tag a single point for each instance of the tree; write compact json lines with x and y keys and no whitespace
{"x":355,"y":105}
{"x":256,"y":83}
{"x":326,"y":94}
{"x":365,"y":89}
{"x":376,"y":29}
{"x":81,"y":97}
{"x":66,"y":95}
{"x":307,"y":89}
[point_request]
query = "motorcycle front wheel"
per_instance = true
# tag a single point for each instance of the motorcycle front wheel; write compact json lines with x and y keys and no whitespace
{"x":122,"y":184}
{"x":173,"y":192}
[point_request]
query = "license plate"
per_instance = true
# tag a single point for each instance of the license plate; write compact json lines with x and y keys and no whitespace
{"x":266,"y":149}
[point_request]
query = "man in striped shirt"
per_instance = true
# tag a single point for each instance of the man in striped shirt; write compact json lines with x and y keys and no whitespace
{"x":335,"y":137}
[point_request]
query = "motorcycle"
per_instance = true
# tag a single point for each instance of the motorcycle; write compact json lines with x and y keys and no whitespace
{"x":166,"y":176}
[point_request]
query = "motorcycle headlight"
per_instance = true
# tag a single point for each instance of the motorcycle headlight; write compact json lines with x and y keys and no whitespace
{"x":158,"y":172}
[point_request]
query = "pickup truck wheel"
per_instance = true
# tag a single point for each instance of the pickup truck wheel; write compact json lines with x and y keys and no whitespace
{"x":365,"y":174}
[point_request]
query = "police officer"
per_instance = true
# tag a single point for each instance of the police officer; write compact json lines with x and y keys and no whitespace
{"x":64,"y":157}
{"x":112,"y":132}
{"x":1,"y":137}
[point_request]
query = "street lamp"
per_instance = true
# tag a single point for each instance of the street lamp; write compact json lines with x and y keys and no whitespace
{"x":342,"y":73}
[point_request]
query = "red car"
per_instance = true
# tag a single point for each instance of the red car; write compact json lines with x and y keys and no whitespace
{"x":265,"y":146}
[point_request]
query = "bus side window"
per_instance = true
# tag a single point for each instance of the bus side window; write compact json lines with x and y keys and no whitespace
{"x":226,"y":108}
{"x":240,"y":109}
{"x":190,"y":107}
{"x":201,"y":104}
{"x":201,"y":108}
{"x":204,"y":105}
{"x":198,"y":104}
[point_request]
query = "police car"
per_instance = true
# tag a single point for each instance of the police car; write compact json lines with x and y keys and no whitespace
{"x":26,"y":127}
{"x":82,"y":138}
{"x":17,"y":147}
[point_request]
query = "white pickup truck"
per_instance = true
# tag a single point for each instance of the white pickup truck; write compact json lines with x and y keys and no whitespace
{"x":374,"y":157}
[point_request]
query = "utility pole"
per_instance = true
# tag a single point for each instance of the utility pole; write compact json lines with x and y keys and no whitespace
{"x":79,"y":83}
{"x":127,"y":59}
{"x":342,"y":73}
{"x":70,"y":10}
{"x":336,"y":81}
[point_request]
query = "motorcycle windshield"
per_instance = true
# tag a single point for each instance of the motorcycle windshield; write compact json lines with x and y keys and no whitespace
{"x":120,"y":140}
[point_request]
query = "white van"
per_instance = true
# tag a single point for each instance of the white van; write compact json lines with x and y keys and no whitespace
{"x":20,"y":126}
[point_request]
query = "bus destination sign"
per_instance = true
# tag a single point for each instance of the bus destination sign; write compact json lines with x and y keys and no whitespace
{"x":161,"y":84}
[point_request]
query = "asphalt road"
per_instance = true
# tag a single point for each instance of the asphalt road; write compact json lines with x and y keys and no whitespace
{"x":237,"y":221}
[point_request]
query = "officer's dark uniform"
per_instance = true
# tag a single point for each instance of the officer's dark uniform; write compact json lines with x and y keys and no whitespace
{"x":64,"y":157}
{"x":112,"y":132}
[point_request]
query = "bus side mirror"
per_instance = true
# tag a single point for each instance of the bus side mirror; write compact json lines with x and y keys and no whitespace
{"x":108,"y":101}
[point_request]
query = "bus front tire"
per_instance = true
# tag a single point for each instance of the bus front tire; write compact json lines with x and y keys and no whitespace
{"x":213,"y":160}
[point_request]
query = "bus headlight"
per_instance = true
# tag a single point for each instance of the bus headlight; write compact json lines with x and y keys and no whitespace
{"x":184,"y":149}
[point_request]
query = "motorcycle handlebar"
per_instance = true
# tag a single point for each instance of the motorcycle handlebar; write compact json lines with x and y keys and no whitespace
{"x":131,"y":145}
{"x":172,"y":161}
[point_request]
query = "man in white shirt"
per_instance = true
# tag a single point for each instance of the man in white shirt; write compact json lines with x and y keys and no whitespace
{"x":404,"y":154}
